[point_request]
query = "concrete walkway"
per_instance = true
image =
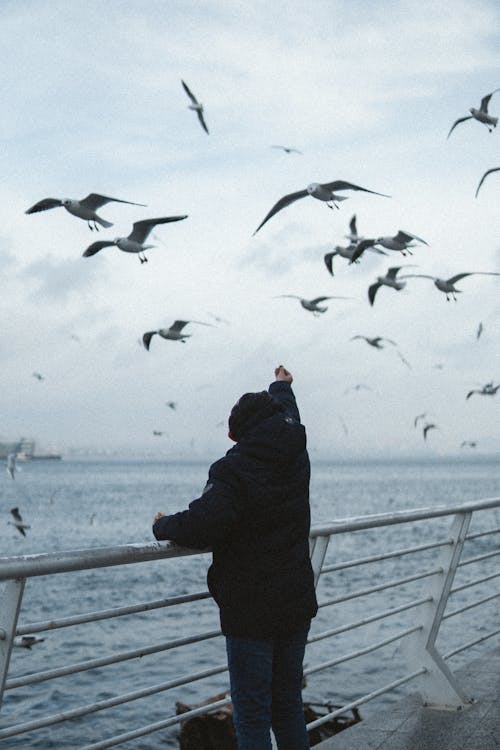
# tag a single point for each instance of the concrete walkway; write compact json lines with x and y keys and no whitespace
{"x":409,"y":726}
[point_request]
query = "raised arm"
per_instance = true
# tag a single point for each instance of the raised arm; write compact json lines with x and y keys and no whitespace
{"x":281,"y":390}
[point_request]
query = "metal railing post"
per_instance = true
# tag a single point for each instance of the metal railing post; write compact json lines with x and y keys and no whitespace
{"x":438,"y":686}
{"x":10,"y":604}
{"x":317,"y":553}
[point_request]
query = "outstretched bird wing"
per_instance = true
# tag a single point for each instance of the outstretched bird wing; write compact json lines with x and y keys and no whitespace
{"x":392,"y":272}
{"x":486,"y":100}
{"x":353,"y":227}
{"x":457,"y":122}
{"x":403,"y":236}
{"x":202,"y":120}
{"x":178,"y":325}
{"x":328,"y":258}
{"x":96,"y":246}
{"x":360,"y":249}
{"x":488,"y":171}
{"x":372,"y":291}
{"x":141,"y":229}
{"x":343,"y":185}
{"x":44,"y":205}
{"x":189,"y":92}
{"x":146,"y":338}
{"x":94,"y":201}
{"x":282,"y":203}
{"x":317,"y":300}
{"x":16,"y":515}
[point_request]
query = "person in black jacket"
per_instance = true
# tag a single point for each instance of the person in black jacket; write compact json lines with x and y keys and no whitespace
{"x":254,"y":514}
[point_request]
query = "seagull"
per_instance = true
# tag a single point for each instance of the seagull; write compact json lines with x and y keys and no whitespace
{"x":84,"y":209}
{"x":375,"y":342}
{"x":323,"y":192}
{"x":353,"y":231}
{"x":157,"y":433}
{"x":480,"y":329}
{"x":489,"y":171}
{"x":480,"y":114}
{"x":174,"y":333}
{"x":134,"y":243}
{"x":401,"y":243}
{"x":388,"y":280}
{"x":195,"y":105}
{"x":313,"y":305}
{"x":27,"y":641}
{"x":172,"y":405}
{"x":418,"y":418}
{"x":11,"y":465}
{"x":448,"y":285}
{"x":346,"y":252}
{"x":288,"y":149}
{"x":469,"y":444}
{"x":428,"y":427}
{"x":487,"y":390}
{"x":37,"y":375}
{"x":18,"y":521}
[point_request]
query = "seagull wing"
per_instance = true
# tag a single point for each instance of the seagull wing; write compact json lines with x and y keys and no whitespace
{"x":417,"y":276}
{"x":470,"y":394}
{"x":427,"y":428}
{"x":360,"y":249}
{"x":403,"y":236}
{"x":328,"y":258}
{"x":479,"y":330}
{"x":454,"y":279}
{"x":372,"y":291}
{"x":94,"y":201}
{"x":343,"y":185}
{"x":141,"y":229}
{"x":392,"y":272}
{"x":202,"y":120}
{"x":317,"y":300}
{"x":178,"y":325}
{"x":486,"y":100}
{"x":96,"y":246}
{"x":44,"y":205}
{"x":489,"y":171}
{"x":189,"y":92}
{"x":146,"y":338}
{"x":457,"y":122}
{"x":16,"y":515}
{"x":282,"y":203}
{"x":353,"y":227}
{"x":389,"y":341}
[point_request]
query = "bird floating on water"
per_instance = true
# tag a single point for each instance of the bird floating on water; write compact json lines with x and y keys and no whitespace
{"x":481,"y":115}
{"x":447,"y":286}
{"x":487,"y":390}
{"x":18,"y":521}
{"x":488,"y":171}
{"x":313,"y":305}
{"x":400,"y":242}
{"x":322,"y":192}
{"x":83,"y":209}
{"x":134,"y":243}
{"x":174,"y":333}
{"x":196,"y":106}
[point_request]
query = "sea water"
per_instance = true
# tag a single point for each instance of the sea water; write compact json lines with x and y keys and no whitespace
{"x":77,"y":504}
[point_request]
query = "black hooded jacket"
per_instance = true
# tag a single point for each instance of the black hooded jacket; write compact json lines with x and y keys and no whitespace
{"x":254,"y":514}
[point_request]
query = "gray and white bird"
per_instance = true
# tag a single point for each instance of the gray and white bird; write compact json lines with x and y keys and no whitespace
{"x":348,"y":253}
{"x":134,"y":243}
{"x":288,"y":149}
{"x":196,"y":106}
{"x":84,"y":209}
{"x":27,"y":641}
{"x":353,"y":235}
{"x":418,"y":418}
{"x":487,"y":390}
{"x":468,"y":444}
{"x":37,"y":375}
{"x":323,"y":192}
{"x":400,"y":242}
{"x":479,"y":331}
{"x":488,"y":171}
{"x":174,"y":333}
{"x":313,"y":305}
{"x":377,"y":341}
{"x":388,"y":280}
{"x":18,"y":521}
{"x":428,"y":427}
{"x":481,"y":115}
{"x":447,"y":286}
{"x":11,"y":465}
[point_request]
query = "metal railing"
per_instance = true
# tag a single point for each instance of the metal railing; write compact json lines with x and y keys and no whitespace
{"x":419,"y":588}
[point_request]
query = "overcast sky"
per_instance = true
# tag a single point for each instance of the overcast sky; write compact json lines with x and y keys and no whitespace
{"x":92,"y":102}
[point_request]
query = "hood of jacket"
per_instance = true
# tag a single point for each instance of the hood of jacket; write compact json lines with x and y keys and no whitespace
{"x":277,"y":439}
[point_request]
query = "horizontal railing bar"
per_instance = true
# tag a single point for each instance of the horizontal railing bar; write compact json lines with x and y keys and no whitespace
{"x":362,"y":651}
{"x":482,"y":533}
{"x":476,"y":582}
{"x":471,"y":643}
{"x":363,"y":699}
{"x":382,"y":556}
{"x":150,"y":728}
{"x":471,"y":606}
{"x":470,"y":560}
{"x":367,"y":620}
{"x":380,"y":587}
{"x":105,"y":661}
{"x":108,"y":703}
{"x":65,"y":622}
{"x":358,"y":523}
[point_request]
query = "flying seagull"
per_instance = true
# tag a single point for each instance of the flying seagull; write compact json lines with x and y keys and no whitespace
{"x":448,"y":285}
{"x":313,"y":305}
{"x":134,"y":243}
{"x":323,"y":192}
{"x":171,"y":405}
{"x":388,"y":280}
{"x":288,"y":149}
{"x":84,"y":209}
{"x":480,"y":114}
{"x":479,"y":331}
{"x":346,"y":252}
{"x":488,"y":171}
{"x":157,"y":433}
{"x":18,"y":521}
{"x":37,"y":375}
{"x":174,"y":333}
{"x":353,"y":235}
{"x":400,"y":242}
{"x":428,"y":427}
{"x":487,"y":390}
{"x":418,"y":418}
{"x":11,"y":465}
{"x":196,"y":106}
{"x":376,"y":341}
{"x":468,"y":444}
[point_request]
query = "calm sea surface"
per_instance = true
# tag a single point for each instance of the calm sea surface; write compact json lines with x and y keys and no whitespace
{"x":76,"y":504}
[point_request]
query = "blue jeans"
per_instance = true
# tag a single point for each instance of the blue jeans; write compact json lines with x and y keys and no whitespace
{"x":266,"y":690}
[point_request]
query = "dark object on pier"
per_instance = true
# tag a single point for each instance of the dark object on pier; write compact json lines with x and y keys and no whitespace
{"x":215,"y":731}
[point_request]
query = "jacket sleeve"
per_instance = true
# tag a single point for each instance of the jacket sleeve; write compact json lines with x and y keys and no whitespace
{"x":282,"y":392}
{"x":209,"y":519}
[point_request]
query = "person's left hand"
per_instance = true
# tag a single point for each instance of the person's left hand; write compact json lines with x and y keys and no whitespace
{"x":158,"y":516}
